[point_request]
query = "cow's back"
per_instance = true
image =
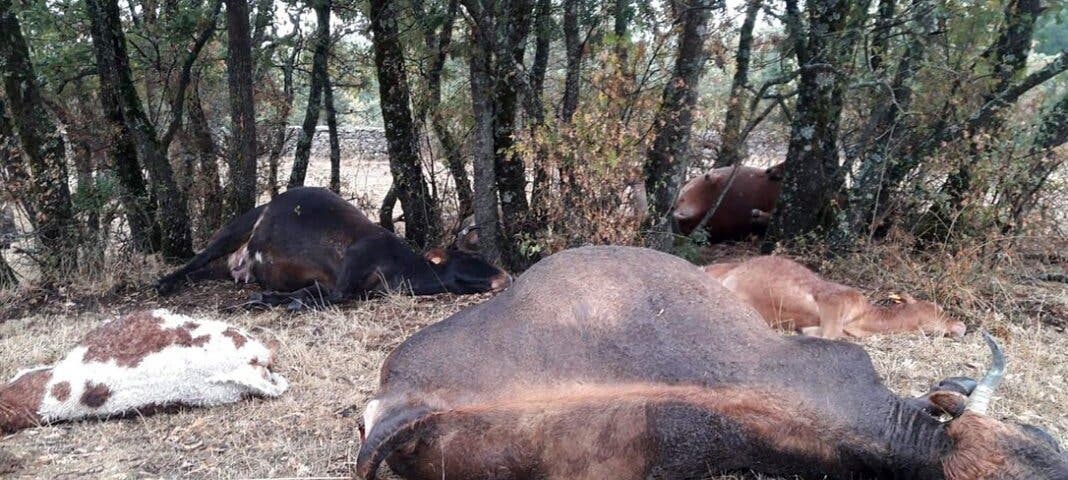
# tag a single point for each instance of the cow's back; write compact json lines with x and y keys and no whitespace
{"x":751,"y":189}
{"x":301,"y":237}
{"x":594,"y":314}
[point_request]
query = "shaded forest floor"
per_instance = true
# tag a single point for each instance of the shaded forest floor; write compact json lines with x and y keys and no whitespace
{"x":332,"y":358}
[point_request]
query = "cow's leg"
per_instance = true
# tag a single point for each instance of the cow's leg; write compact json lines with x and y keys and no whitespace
{"x":836,"y":310}
{"x":315,"y":296}
{"x":230,"y":238}
{"x":216,"y":270}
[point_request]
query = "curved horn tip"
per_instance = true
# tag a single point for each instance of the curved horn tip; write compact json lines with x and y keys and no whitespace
{"x":980,"y":398}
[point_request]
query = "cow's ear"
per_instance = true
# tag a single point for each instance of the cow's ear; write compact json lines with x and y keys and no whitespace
{"x":908,"y":298}
{"x":437,"y":256}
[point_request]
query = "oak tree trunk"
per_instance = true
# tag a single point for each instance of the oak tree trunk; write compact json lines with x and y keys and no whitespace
{"x":813,"y":175}
{"x":242,"y":194}
{"x":421,"y":218}
{"x":731,"y":142}
{"x":669,"y":158}
{"x":42,"y":146}
{"x":133,"y":192}
{"x":315,"y":94}
{"x":485,"y":177}
{"x":573,"y":50}
{"x":335,"y":145}
{"x":116,"y":79}
{"x":208,"y":184}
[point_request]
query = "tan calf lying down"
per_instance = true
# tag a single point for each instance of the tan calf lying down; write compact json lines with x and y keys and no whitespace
{"x":789,"y":295}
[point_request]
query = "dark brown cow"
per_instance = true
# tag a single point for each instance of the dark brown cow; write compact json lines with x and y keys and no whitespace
{"x":745,"y":209}
{"x":312,"y":245}
{"x":625,"y":363}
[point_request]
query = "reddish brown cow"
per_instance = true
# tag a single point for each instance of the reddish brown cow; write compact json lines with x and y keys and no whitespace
{"x":310,"y":245}
{"x":745,"y":208}
{"x":789,"y":295}
{"x":625,"y":363}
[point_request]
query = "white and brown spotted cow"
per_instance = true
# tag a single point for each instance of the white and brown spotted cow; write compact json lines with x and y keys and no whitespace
{"x":141,"y":363}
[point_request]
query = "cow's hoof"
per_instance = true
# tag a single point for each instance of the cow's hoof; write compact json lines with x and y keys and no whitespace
{"x":295,"y":306}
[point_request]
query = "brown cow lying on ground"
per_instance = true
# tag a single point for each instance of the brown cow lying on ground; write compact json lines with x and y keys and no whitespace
{"x":745,"y":209}
{"x":309,"y":245}
{"x":789,"y":295}
{"x":141,"y":363}
{"x":625,"y":363}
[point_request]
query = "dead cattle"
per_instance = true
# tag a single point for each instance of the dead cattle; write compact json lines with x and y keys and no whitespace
{"x":310,"y":244}
{"x":140,"y":363}
{"x":789,"y":295}
{"x":625,"y":363}
{"x":745,"y":208}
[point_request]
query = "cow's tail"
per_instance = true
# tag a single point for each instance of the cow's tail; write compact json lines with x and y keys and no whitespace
{"x":230,"y":238}
{"x":393,"y":430}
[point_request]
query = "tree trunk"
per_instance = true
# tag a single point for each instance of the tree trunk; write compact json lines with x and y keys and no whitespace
{"x":209,"y":189}
{"x":485,"y":177}
{"x":136,"y":201}
{"x":280,"y":123}
{"x":730,"y":141}
{"x":242,"y":194}
{"x":513,"y":27}
{"x":573,"y":49}
{"x":875,"y":147}
{"x":881,"y":34}
{"x":421,"y":219}
{"x":669,"y":158}
{"x":335,"y":145}
{"x":813,"y":175}
{"x":315,"y":94}
{"x":622,"y":16}
{"x":41,"y":144}
{"x":535,"y":105}
{"x":116,"y":79}
{"x":15,"y":180}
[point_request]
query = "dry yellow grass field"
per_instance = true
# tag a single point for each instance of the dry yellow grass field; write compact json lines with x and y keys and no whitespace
{"x":332,"y":357}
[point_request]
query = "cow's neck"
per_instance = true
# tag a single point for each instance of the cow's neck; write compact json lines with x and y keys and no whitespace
{"x":909,"y":443}
{"x":423,"y":277}
{"x":877,"y":318}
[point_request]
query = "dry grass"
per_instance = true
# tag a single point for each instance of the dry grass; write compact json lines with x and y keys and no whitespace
{"x":332,"y":359}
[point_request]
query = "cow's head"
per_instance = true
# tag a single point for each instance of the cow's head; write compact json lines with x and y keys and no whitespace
{"x":464,"y":272}
{"x":987,"y":448}
{"x":928,"y":317}
{"x":695,"y":199}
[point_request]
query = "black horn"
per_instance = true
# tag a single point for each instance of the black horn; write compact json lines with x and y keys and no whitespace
{"x":979,"y":400}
